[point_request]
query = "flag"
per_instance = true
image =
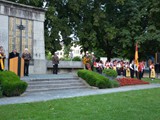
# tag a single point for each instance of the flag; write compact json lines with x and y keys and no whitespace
{"x":136,"y":55}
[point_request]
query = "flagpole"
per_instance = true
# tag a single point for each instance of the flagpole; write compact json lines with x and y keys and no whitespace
{"x":136,"y":59}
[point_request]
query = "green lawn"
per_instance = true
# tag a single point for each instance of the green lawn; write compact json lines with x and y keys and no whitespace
{"x":156,"y":80}
{"x":132,"y":105}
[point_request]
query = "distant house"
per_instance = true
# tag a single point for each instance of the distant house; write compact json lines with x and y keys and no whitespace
{"x":75,"y":51}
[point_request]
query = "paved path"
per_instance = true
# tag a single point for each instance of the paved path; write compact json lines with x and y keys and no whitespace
{"x":59,"y":94}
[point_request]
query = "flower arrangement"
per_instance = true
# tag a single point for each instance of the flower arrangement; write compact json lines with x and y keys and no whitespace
{"x":130,"y":81}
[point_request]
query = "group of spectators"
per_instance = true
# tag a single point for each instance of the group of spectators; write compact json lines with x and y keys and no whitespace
{"x":123,"y":68}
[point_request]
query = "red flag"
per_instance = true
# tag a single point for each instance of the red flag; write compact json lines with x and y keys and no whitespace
{"x":136,"y":55}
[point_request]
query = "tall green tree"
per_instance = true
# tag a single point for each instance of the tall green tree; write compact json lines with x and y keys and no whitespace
{"x":110,"y":27}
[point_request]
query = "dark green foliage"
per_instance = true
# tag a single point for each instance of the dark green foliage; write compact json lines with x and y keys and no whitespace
{"x":8,"y":76}
{"x":94,"y":79}
{"x":11,"y":84}
{"x":65,"y":59}
{"x":110,"y":72}
{"x":77,"y":58}
{"x":114,"y":83}
{"x":1,"y":92}
{"x":108,"y":27}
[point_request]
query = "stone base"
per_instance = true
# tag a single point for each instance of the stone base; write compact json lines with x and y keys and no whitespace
{"x":63,"y":70}
{"x":39,"y":67}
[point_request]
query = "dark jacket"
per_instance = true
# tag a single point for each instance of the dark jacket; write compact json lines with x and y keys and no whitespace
{"x":12,"y":55}
{"x":26,"y":57}
{"x":55,"y":59}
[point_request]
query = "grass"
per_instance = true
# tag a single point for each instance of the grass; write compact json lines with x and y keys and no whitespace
{"x":132,"y":105}
{"x":147,"y":79}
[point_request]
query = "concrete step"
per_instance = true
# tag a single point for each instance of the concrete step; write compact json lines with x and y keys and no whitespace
{"x":49,"y":89}
{"x":54,"y":85}
{"x":59,"y":83}
{"x":53,"y":82}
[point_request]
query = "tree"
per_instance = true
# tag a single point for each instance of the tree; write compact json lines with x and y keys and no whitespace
{"x":108,"y":27}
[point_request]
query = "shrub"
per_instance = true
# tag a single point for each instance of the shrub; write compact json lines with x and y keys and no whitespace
{"x":94,"y":79}
{"x":77,"y":58}
{"x":114,"y":83}
{"x":110,"y":72}
{"x":49,"y":56}
{"x":11,"y":84}
{"x":1,"y":92}
{"x":65,"y":59}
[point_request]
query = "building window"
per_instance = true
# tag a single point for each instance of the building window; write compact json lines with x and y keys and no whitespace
{"x":76,"y":51}
{"x":15,"y":34}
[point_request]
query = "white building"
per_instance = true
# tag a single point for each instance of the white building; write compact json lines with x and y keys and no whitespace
{"x":75,"y":51}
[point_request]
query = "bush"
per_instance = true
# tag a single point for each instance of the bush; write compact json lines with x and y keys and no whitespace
{"x":1,"y":92}
{"x":49,"y":56}
{"x":114,"y":83}
{"x":110,"y":73}
{"x":65,"y":59}
{"x":77,"y":58}
{"x":94,"y":79}
{"x":11,"y":84}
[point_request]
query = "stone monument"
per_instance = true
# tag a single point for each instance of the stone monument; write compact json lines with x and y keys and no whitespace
{"x":22,"y":26}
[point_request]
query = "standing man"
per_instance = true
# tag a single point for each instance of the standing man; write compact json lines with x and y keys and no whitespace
{"x":55,"y":61}
{"x":27,"y":57}
{"x":157,"y":69}
{"x":13,"y":54}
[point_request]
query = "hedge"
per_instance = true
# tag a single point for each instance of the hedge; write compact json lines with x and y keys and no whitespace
{"x":11,"y":85}
{"x":110,"y":72}
{"x":94,"y":79}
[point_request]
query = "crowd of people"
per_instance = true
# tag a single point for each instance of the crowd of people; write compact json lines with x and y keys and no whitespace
{"x":123,"y":68}
{"x":25,"y":55}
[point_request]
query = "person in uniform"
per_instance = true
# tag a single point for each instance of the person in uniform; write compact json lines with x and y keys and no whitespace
{"x":152,"y":68}
{"x":88,"y":61}
{"x":131,"y":66}
{"x":140,"y":70}
{"x":2,"y":57}
{"x":93,"y":59}
{"x":157,"y":69}
{"x":27,"y":57}
{"x":128,"y":74}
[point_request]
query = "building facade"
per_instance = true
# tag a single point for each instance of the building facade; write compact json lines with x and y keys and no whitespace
{"x":75,"y":51}
{"x":21,"y":27}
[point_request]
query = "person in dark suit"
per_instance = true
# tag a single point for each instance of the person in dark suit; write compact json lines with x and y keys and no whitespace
{"x":13,"y":54}
{"x":157,"y":69}
{"x":55,"y":61}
